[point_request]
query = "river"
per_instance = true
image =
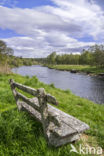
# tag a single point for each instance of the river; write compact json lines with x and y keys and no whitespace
{"x":90,"y":87}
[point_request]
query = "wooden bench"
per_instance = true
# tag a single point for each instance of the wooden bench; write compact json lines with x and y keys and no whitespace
{"x":59,"y":127}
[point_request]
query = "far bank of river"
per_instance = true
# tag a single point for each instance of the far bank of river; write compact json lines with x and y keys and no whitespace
{"x":91,"y":70}
{"x":80,"y":84}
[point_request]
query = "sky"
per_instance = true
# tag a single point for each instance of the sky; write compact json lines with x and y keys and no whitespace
{"x":35,"y":28}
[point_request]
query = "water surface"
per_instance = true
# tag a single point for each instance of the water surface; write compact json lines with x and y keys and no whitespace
{"x":90,"y":87}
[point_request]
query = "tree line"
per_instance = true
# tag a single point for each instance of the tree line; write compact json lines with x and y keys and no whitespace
{"x":7,"y":58}
{"x":93,"y":56}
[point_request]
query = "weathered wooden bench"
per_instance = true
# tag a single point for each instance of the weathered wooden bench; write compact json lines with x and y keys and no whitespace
{"x":59,"y":127}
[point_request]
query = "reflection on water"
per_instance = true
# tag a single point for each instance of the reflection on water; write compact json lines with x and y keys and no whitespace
{"x":90,"y":87}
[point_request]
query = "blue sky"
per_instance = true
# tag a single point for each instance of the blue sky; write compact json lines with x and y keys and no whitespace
{"x":26,"y":3}
{"x":35,"y":28}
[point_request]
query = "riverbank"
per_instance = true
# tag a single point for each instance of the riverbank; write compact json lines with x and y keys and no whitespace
{"x":6,"y":68}
{"x":78,"y":68}
{"x":21,"y":135}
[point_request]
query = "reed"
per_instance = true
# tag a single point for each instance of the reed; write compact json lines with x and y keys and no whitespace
{"x":5,"y":69}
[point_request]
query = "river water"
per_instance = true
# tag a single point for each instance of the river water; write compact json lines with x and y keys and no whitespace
{"x":90,"y":87}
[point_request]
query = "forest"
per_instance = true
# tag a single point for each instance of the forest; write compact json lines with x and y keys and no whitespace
{"x":94,"y":56}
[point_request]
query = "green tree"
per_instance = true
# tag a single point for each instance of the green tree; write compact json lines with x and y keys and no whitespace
{"x":5,"y":51}
{"x":98,"y":54}
{"x":51,"y":58}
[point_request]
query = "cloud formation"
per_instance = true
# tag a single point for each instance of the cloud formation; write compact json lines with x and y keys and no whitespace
{"x":53,"y":28}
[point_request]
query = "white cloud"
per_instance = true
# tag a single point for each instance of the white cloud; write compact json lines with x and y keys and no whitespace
{"x":89,"y":16}
{"x":29,"y":47}
{"x":53,"y":28}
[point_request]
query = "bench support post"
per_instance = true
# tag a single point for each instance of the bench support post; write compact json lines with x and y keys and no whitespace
{"x":15,"y":94}
{"x":43,"y":110}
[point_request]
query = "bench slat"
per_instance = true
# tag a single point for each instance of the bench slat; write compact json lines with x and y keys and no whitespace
{"x":69,"y":120}
{"x":29,"y":101}
{"x":30,"y":110}
{"x":26,"y":88}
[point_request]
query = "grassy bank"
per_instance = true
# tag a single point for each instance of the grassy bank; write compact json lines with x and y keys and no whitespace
{"x":20,"y":135}
{"x":79,"y":68}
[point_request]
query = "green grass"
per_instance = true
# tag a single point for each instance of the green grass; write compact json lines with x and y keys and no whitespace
{"x":21,"y":135}
{"x":79,"y":68}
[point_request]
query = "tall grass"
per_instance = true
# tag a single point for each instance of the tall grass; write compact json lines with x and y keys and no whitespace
{"x":5,"y":69}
